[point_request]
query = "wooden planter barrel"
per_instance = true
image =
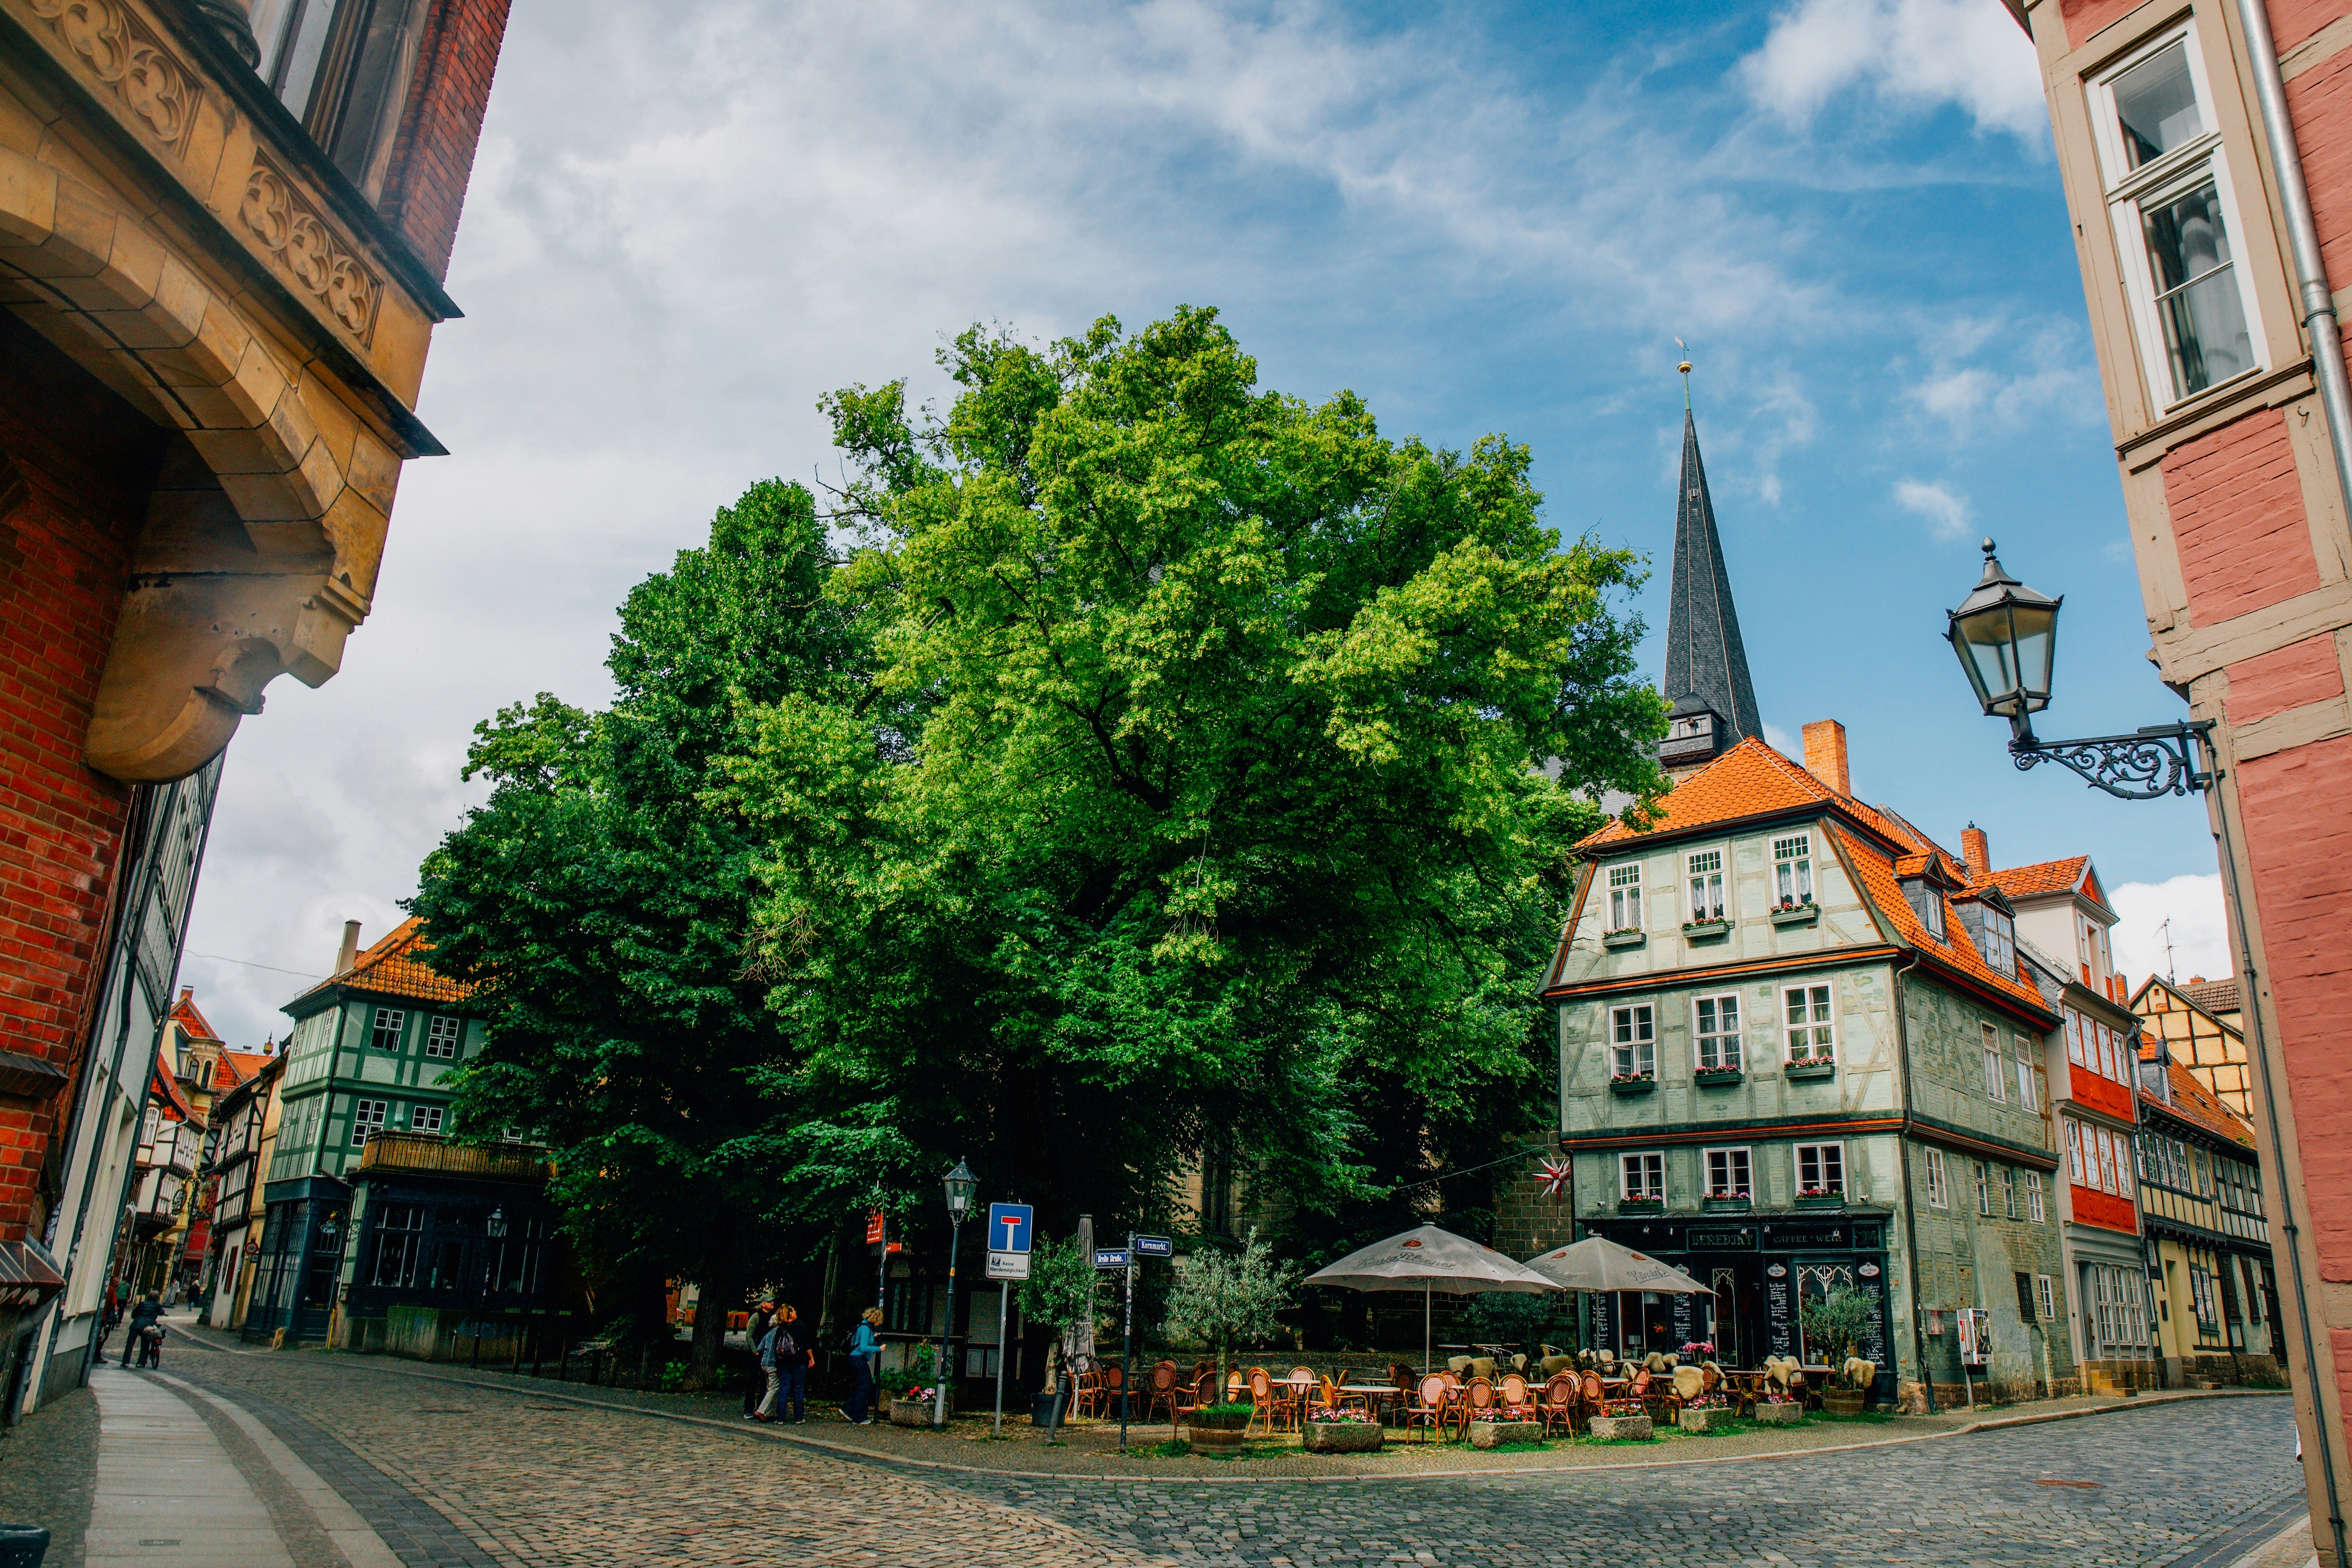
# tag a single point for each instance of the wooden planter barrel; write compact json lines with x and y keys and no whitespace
{"x":1217,"y":1434}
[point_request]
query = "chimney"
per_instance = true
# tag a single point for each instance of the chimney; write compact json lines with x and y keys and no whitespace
{"x":350,"y":949}
{"x":1976,"y":850}
{"x":1825,"y":754}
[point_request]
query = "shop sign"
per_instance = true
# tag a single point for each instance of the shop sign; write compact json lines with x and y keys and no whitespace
{"x":1868,"y":1271}
{"x":1780,"y":1236}
{"x":1740,"y":1239}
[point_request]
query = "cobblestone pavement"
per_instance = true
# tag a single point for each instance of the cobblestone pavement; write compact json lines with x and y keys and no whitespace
{"x":527,"y":1477}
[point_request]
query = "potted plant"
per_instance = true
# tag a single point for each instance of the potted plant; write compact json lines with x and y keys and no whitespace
{"x":1345,"y":1431}
{"x":1821,"y":1198}
{"x":1058,"y":1295}
{"x":1224,"y":1300}
{"x":1629,"y":936}
{"x":1219,"y":1429}
{"x":1632,"y":1082}
{"x":912,"y":1393}
{"x":1795,"y":911}
{"x":1702,"y":931}
{"x":1641,"y":1205}
{"x":1810,"y":1067}
{"x":1705,"y":1413}
{"x":1728,"y":1203}
{"x":1715,"y":1075}
{"x":1841,"y":1317}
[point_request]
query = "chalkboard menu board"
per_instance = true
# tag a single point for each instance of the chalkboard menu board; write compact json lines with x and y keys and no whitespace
{"x":1871,"y":1283}
{"x":1604,"y":1319}
{"x":1780,"y":1310}
{"x":1686,"y":1319}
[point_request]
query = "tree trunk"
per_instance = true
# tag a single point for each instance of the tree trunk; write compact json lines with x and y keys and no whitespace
{"x":710,"y":1308}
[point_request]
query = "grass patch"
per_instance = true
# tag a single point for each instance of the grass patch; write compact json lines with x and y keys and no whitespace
{"x":1622,"y":1442}
{"x":1535,"y":1447}
{"x":1175,"y":1448}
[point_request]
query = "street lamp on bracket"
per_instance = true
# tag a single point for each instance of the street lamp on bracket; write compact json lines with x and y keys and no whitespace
{"x":959,"y":1184}
{"x":2006,"y":635}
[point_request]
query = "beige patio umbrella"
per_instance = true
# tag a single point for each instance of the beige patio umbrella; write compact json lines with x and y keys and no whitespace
{"x":1597,"y":1263}
{"x":1430,"y":1260}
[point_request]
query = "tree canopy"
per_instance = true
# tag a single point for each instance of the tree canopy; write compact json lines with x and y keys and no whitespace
{"x":1154,"y":777}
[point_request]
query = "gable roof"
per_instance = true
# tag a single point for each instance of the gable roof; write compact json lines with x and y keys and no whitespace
{"x":2212,"y":995}
{"x":1751,"y":780}
{"x":2072,"y":875}
{"x":162,"y":1086}
{"x":191,"y":1021}
{"x":1956,"y":951}
{"x":394,"y":966}
{"x":234,"y":1068}
{"x":2194,"y":1103}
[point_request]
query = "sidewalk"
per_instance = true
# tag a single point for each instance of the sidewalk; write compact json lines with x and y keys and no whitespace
{"x":1090,"y":1448}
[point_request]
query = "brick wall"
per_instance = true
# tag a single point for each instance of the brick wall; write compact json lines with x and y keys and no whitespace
{"x":2292,"y":21}
{"x":78,"y":461}
{"x":2085,"y":18}
{"x":2284,"y":678}
{"x":2236,"y":504}
{"x":432,"y":153}
{"x":2319,"y":101}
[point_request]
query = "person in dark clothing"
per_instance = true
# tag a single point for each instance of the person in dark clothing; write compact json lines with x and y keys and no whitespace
{"x":865,"y":1349}
{"x":793,"y":1363}
{"x":757,"y":1330}
{"x":147,"y":1332}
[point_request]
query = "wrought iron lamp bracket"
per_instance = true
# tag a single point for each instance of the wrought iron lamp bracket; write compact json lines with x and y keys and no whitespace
{"x":2155,"y":761}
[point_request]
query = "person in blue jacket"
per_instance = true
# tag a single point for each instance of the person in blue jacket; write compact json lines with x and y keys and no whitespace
{"x":864,"y":1350}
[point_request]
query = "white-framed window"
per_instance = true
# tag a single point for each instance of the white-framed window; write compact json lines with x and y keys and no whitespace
{"x":2001,"y":941}
{"x":442,"y":1035}
{"x":1821,"y":1170}
{"x":2074,"y":1150}
{"x":1809,"y":1023}
{"x":2009,"y":1192}
{"x":426,"y":1118}
{"x":1706,"y":872}
{"x":2047,"y":1293}
{"x":1996,"y":1067}
{"x":1625,"y":897}
{"x":2110,"y":1177}
{"x":2028,"y":1096}
{"x":1938,"y":1191}
{"x":2035,"y":1209}
{"x":1931,"y":911}
{"x":1642,"y":1176}
{"x":2170,"y":199}
{"x":1984,"y":1192}
{"x":385,"y":1034}
{"x":2209,"y":1308}
{"x":1792,"y":870}
{"x":1727,"y":1174}
{"x":2075,"y":1036}
{"x":367,"y":1119}
{"x":1716,"y":1027}
{"x":1633,"y":1042}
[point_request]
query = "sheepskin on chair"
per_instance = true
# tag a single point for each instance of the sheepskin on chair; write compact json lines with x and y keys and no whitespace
{"x":1552,"y":1365}
{"x":1689,"y":1383}
{"x":1858,"y":1371}
{"x":1654,"y":1362}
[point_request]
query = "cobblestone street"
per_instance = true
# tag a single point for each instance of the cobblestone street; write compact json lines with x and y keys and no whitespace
{"x":363,"y":1461}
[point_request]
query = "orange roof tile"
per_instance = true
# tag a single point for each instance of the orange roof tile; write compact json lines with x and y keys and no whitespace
{"x":2196,"y":1104}
{"x":396,"y":966}
{"x":2049,"y":877}
{"x":234,"y":1068}
{"x":2213,"y":996}
{"x":1957,"y":951}
{"x":176,"y":1103}
{"x":1750,"y":779}
{"x":192,"y":1022}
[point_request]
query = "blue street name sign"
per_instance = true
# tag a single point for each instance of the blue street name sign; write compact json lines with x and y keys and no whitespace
{"x":1110,"y":1258}
{"x":1011,"y":1226}
{"x":1154,"y":1247}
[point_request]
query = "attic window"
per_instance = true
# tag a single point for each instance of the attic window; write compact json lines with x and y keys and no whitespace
{"x":1926,"y":902}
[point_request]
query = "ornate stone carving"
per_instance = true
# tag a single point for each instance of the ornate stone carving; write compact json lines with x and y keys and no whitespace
{"x":114,"y":46}
{"x":306,"y":249}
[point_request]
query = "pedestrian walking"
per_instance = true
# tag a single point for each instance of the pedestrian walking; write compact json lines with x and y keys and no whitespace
{"x":794,"y":1366}
{"x":110,"y":1320}
{"x":774,"y":1346}
{"x":754,"y":1331}
{"x":147,"y":1332}
{"x":865,"y":1349}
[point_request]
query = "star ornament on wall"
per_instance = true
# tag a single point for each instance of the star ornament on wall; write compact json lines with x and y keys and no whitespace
{"x":1552,"y":1177}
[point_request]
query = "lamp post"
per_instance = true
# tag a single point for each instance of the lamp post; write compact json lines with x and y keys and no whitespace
{"x":2006,"y":636}
{"x":960,"y":1185}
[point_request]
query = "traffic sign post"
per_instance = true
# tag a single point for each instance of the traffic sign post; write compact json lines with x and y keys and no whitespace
{"x":1153,"y":1246}
{"x":1012,"y":1228}
{"x":1111,"y":1257}
{"x":1126,"y":1353}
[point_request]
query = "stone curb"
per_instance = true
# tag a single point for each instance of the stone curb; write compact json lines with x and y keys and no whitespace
{"x":852,"y":1452}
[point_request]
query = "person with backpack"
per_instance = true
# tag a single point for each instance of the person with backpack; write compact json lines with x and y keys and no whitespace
{"x":776,"y":1349}
{"x":864,"y":1350}
{"x":792,"y":1368}
{"x":753,"y":1332}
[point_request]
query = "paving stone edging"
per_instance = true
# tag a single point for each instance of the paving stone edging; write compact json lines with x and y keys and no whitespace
{"x":866,"y":1456}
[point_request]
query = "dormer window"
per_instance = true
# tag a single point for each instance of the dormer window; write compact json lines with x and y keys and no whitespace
{"x":1706,"y":886}
{"x":1926,"y":902}
{"x":1625,"y":897}
{"x":1792,"y":870}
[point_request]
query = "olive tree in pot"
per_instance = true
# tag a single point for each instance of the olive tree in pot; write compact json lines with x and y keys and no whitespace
{"x":1840,"y":1318}
{"x":1223,"y":1299}
{"x":1058,"y":1295}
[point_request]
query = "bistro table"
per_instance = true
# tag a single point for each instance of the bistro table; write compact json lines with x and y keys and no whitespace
{"x":1373,"y":1394}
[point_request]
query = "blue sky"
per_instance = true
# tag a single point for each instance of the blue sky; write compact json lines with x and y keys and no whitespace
{"x":688,"y":219}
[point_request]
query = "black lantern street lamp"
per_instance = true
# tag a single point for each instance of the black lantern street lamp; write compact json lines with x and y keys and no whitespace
{"x":960,"y":1185}
{"x":2006,"y":635}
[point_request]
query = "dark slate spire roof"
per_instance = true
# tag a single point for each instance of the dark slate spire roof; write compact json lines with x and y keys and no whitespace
{"x":1704,"y":655}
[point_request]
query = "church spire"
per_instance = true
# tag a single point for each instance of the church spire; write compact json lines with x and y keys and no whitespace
{"x":1706,"y":666}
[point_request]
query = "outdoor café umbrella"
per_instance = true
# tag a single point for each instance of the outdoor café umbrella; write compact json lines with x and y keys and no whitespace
{"x":1597,"y":1263}
{"x":1430,"y":1260}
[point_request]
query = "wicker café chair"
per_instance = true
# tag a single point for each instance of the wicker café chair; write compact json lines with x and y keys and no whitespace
{"x":1514,"y":1394}
{"x":1427,"y":1406}
{"x":1479,"y":1399}
{"x":1262,"y":1396}
{"x":1591,"y":1399}
{"x":1114,"y":1387}
{"x":1165,"y":1391}
{"x":1086,"y":1382}
{"x":1302,"y":1390}
{"x":1558,"y":1405}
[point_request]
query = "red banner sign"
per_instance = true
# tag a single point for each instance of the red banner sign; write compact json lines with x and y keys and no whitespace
{"x":874,"y":1227}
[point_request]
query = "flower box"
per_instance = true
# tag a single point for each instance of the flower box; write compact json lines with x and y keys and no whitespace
{"x":1641,"y":1205}
{"x":911,"y":1413}
{"x":1820,"y":1200}
{"x":1787,"y":1413}
{"x":1802,"y":914}
{"x":1715,"y":1077}
{"x":1620,"y":1429}
{"x":1640,"y":1084}
{"x":1704,"y":930}
{"x":1739,"y":1205}
{"x":1632,"y":936}
{"x":1810,"y":1070}
{"x":1343,"y":1437}
{"x":1704,"y":1418}
{"x":1491,"y":1434}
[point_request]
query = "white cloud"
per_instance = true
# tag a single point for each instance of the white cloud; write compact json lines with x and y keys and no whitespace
{"x":1946,"y":513}
{"x":1781,"y":741}
{"x":1913,"y":54}
{"x":2187,"y":910}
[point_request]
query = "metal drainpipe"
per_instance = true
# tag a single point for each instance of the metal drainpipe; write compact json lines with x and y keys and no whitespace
{"x":2320,"y":329}
{"x":1910,"y":1205}
{"x":2247,"y":977}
